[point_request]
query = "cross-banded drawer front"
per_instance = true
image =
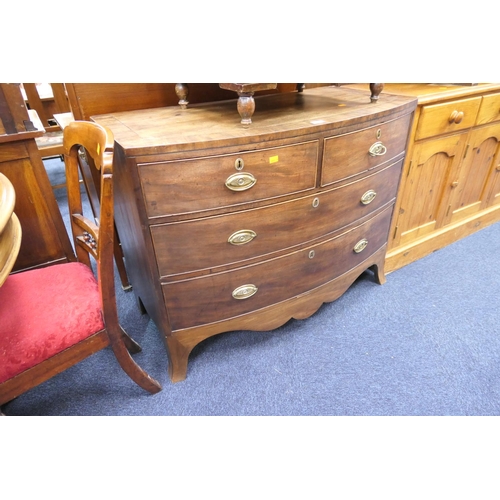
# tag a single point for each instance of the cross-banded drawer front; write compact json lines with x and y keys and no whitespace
{"x":188,"y":186}
{"x":215,"y":241}
{"x":351,"y":154}
{"x":224,"y":295}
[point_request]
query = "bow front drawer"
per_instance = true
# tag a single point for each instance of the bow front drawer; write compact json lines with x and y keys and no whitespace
{"x":196,"y":185}
{"x":351,"y":154}
{"x":228,"y":294}
{"x":210,"y":242}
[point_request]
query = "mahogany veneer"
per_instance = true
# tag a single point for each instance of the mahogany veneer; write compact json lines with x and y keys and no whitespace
{"x":227,"y":228}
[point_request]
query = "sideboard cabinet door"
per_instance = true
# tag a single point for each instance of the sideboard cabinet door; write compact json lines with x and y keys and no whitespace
{"x":428,"y":186}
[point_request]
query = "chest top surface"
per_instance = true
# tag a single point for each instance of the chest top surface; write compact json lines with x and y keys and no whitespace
{"x":278,"y":116}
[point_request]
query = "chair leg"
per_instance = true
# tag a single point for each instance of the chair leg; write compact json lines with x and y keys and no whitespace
{"x":133,"y":370}
{"x":132,"y":346}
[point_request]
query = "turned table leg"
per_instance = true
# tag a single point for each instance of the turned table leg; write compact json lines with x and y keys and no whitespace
{"x":375,"y":89}
{"x":246,"y":103}
{"x":182,"y":91}
{"x":246,"y":107}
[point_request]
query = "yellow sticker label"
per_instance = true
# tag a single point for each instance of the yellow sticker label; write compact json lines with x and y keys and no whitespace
{"x":98,"y":148}
{"x":273,"y":159}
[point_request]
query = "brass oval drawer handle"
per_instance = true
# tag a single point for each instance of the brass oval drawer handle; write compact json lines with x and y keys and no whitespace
{"x":360,"y":245}
{"x":456,"y":117}
{"x":242,"y":237}
{"x":241,"y":181}
{"x":377,"y":149}
{"x":368,"y":197}
{"x":244,"y":292}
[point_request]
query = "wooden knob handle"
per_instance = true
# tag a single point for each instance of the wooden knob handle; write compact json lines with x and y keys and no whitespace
{"x":456,"y":117}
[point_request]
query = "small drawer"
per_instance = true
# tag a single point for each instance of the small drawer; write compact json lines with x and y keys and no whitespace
{"x":225,"y":295}
{"x":189,"y":186}
{"x":489,"y":110}
{"x":351,"y":154}
{"x":13,"y":151}
{"x":210,"y":242}
{"x":448,"y":117}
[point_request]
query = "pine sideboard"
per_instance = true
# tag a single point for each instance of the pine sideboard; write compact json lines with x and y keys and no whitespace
{"x":450,"y":185}
{"x":231,"y":228}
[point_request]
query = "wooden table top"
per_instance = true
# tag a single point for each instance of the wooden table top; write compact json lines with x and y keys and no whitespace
{"x":277,"y":116}
{"x":10,"y":229}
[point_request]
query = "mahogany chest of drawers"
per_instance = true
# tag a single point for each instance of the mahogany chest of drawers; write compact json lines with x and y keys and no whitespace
{"x":230,"y":228}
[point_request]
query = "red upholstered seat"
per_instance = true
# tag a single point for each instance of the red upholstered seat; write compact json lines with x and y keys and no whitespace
{"x":53,"y":318}
{"x":44,"y":311}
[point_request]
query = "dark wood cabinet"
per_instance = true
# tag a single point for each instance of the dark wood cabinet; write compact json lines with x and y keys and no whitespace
{"x":44,"y":237}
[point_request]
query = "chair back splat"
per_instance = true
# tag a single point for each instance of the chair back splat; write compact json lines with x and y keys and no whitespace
{"x":54,"y":317}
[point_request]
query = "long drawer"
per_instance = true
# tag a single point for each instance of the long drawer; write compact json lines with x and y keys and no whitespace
{"x":354,"y":153}
{"x":187,"y":186}
{"x":229,"y":239}
{"x":224,"y":295}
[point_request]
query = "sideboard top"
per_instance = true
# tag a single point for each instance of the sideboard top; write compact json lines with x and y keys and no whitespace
{"x":428,"y":93}
{"x":276,"y":116}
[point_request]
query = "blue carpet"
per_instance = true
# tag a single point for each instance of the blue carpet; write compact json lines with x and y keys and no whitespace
{"x":425,"y":343}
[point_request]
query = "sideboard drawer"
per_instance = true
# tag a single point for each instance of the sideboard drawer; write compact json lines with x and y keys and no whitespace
{"x":489,"y":110}
{"x":213,"y":298}
{"x":229,"y":239}
{"x":351,"y":154}
{"x":187,"y":186}
{"x":448,"y":117}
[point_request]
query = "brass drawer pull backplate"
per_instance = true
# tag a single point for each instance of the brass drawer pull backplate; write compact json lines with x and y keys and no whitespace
{"x":368,"y":197}
{"x":360,"y":245}
{"x":241,"y":181}
{"x":377,"y":149}
{"x":244,"y":291}
{"x":242,"y":237}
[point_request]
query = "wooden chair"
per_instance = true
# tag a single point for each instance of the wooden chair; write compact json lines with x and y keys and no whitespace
{"x":51,"y":143}
{"x":52,"y":318}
